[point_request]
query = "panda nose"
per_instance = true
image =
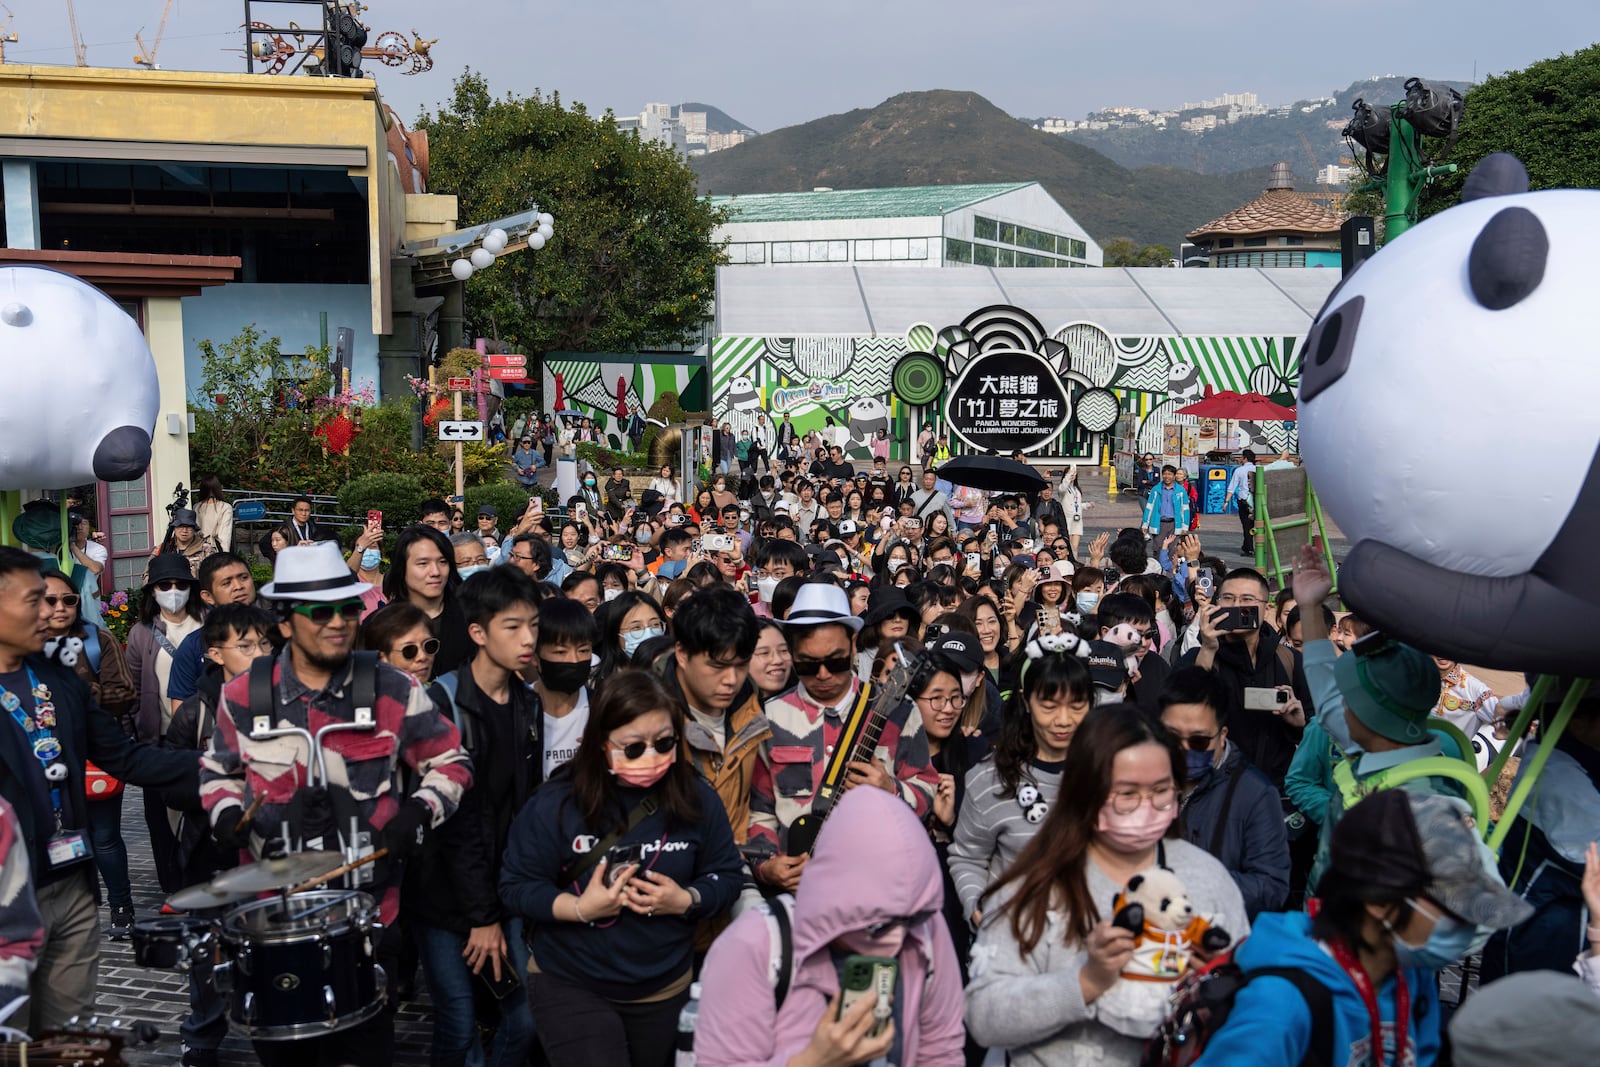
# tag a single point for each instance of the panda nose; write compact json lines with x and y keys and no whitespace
{"x":1326,"y":356}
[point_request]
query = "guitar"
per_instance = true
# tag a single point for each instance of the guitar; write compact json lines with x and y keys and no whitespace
{"x":858,"y":742}
{"x":90,"y":1045}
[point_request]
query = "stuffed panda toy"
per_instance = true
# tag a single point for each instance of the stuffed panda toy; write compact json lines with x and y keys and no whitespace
{"x":1445,"y":418}
{"x":1155,"y":908}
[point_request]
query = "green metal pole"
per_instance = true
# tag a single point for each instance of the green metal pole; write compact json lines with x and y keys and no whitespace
{"x":1530,"y":773}
{"x":1535,"y":702}
{"x":1400,"y":193}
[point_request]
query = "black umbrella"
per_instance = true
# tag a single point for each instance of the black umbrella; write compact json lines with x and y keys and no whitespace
{"x":992,"y":474}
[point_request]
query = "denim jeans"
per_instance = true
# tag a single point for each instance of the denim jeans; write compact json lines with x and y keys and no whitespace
{"x":451,"y":985}
{"x":110,"y":851}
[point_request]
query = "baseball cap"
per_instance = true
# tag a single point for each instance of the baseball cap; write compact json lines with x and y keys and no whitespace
{"x":1422,"y":843}
{"x":1105,"y":665}
{"x":848,"y":527}
{"x":962,"y":649}
{"x":1390,"y":687}
{"x":488,"y":511}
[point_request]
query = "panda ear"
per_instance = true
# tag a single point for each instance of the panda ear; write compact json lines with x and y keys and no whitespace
{"x":1500,"y":174}
{"x":1135,"y":882}
{"x":1508,"y":258}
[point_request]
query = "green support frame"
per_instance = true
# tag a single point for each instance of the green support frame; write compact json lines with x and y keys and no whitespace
{"x":1268,"y":561}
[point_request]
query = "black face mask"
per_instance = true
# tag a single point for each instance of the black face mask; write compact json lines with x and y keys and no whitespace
{"x":563,"y":677}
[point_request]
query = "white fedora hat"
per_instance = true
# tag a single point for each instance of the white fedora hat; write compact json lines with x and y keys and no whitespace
{"x":312,"y":572}
{"x":820,"y":604}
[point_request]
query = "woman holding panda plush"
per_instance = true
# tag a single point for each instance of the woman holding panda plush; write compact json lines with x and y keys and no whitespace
{"x":1048,"y":952}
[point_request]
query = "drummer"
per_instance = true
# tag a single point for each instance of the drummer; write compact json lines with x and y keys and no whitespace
{"x":313,"y":684}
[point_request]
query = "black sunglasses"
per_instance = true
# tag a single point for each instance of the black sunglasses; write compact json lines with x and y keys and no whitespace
{"x":409,"y":651}
{"x":167,"y":585}
{"x":1197,"y":742}
{"x":636,"y":749}
{"x":809,"y":668}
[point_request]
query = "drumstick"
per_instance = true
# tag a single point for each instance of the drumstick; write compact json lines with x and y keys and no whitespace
{"x":250,"y":813}
{"x":339,"y":872}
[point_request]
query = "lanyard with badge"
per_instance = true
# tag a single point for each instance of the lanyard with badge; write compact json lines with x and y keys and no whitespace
{"x":66,"y":847}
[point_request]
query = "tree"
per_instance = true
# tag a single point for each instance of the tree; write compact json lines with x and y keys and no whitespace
{"x":1122,"y":252}
{"x":632,"y":264}
{"x":1547,"y":115}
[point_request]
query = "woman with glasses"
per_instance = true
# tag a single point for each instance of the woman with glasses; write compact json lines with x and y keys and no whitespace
{"x":1047,"y":952}
{"x":626,"y":621}
{"x":771,"y":666}
{"x":1011,"y":791}
{"x":169,"y":611}
{"x":611,"y":867}
{"x":399,"y":633}
{"x":423,"y":571}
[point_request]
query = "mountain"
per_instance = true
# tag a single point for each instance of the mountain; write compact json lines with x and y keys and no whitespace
{"x":717,"y":120}
{"x":1257,"y":141}
{"x":945,"y":137}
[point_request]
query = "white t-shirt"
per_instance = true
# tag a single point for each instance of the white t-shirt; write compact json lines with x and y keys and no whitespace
{"x":717,"y":724}
{"x":561,"y":736}
{"x":96,"y":551}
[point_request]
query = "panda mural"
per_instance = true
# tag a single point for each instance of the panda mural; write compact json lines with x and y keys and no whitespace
{"x":1474,"y":318}
{"x":744,"y":404}
{"x":867,"y":416}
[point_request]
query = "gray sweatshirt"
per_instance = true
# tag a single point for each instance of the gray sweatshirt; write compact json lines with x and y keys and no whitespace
{"x":1034,"y":1007}
{"x":992,"y":829}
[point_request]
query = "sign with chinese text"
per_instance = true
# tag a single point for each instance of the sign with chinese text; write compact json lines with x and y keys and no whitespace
{"x":458,"y":385}
{"x":1006,"y":401}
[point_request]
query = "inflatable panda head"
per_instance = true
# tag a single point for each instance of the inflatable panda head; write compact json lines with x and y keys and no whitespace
{"x":81,"y":388}
{"x":1447,"y":420}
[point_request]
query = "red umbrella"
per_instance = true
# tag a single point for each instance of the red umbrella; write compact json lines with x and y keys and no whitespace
{"x":622,"y":398}
{"x":1246,"y":407}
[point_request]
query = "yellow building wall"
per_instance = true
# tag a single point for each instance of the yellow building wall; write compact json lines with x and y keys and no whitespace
{"x":169,"y":458}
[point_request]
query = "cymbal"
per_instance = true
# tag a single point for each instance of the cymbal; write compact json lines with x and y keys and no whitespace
{"x":271,"y":874}
{"x":203,"y":897}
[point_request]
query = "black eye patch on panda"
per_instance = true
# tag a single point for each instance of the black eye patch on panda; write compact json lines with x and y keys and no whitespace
{"x":1508,"y":259}
{"x":1327,"y":351}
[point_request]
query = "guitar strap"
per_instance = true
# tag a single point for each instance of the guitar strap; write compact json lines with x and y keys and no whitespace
{"x":833,"y":775}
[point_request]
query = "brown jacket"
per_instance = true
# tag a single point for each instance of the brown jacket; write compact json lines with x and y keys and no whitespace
{"x":729,"y":769}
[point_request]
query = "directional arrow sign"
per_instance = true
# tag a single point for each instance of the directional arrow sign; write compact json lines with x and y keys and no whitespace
{"x":460,"y":431}
{"x":458,"y":385}
{"x":509,"y":374}
{"x":500,"y":360}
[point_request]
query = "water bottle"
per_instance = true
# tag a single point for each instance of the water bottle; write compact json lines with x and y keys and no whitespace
{"x":687,"y":1018}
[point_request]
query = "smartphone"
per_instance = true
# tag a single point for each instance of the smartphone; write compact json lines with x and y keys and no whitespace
{"x":1242,"y":618}
{"x":583,"y":511}
{"x":620,"y":856}
{"x":619,"y":553}
{"x":1205,"y":582}
{"x":1264,"y":698}
{"x":679,"y":520}
{"x":374,"y":517}
{"x":696,"y":547}
{"x":869,"y":976}
{"x":973,"y":559}
{"x":1050,"y":620}
{"x":510,"y":982}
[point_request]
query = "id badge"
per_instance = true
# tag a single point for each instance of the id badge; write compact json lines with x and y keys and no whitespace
{"x":66,"y":848}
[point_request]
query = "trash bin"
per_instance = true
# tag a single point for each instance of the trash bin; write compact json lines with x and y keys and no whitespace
{"x":1214,"y":478}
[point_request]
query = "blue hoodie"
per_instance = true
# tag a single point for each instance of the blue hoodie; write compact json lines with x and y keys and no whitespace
{"x":1270,"y":1025}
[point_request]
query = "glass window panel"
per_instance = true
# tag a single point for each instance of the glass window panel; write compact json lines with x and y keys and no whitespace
{"x":897,"y":248}
{"x":756,"y":253}
{"x":126,"y":496}
{"x":957,"y":251}
{"x":127,"y":572}
{"x":881,"y":248}
{"x":1004,"y":257}
{"x":781,"y":252}
{"x":917,"y":248}
{"x":983,"y":255}
{"x":863,"y":250}
{"x":839,"y":251}
{"x":983,"y":229}
{"x":130,"y":533}
{"x":1008,"y":234}
{"x":736,"y":253}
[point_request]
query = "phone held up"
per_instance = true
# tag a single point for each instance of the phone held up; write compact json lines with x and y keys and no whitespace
{"x":619,"y":857}
{"x":869,"y":976}
{"x":1239,"y":618}
{"x":1264,"y":698}
{"x":1205,"y":582}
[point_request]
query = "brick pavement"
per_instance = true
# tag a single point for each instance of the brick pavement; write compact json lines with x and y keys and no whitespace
{"x":133,"y":993}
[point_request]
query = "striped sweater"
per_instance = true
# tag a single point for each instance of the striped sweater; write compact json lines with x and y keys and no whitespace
{"x":991,"y":828}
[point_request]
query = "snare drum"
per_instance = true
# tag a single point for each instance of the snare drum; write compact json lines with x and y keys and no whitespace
{"x":170,"y":942}
{"x":302,"y":966}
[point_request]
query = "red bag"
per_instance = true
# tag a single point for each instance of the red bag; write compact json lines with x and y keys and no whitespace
{"x":98,"y":785}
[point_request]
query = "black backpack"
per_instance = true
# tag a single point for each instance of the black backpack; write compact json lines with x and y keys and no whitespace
{"x":1203,"y":1000}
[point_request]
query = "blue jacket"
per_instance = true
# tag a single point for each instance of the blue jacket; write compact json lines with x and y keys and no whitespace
{"x":1180,"y":507}
{"x":632,"y":956}
{"x":1254,"y":845}
{"x":1270,"y":1025}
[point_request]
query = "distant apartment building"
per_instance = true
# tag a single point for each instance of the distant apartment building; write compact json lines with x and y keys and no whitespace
{"x":1010,"y":224}
{"x":655,"y":123}
{"x":716,"y":142}
{"x":1240,"y":100}
{"x":1335,"y":174}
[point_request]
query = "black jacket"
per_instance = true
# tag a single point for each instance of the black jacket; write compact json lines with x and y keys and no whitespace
{"x":1265,"y":739}
{"x":1234,"y":814}
{"x":86,"y":732}
{"x":190,"y":730}
{"x":453,"y":887}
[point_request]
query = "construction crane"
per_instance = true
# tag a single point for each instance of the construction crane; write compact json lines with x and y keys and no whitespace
{"x":79,"y":49}
{"x":7,"y":34}
{"x":147,"y":56}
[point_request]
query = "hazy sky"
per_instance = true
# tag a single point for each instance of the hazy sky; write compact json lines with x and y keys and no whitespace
{"x":772,"y":65}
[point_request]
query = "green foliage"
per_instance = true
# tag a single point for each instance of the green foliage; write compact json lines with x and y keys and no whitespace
{"x":508,"y":499}
{"x":604,"y":459}
{"x":1547,"y":115}
{"x":668,"y":408}
{"x":1123,"y":252}
{"x":396,"y":495}
{"x":632,"y":264}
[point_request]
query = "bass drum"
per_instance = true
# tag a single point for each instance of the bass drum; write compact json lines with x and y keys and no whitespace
{"x":302,"y":967}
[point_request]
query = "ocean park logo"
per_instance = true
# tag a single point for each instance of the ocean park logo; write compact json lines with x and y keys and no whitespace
{"x":814,"y":393}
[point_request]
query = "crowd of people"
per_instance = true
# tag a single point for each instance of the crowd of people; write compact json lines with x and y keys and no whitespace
{"x":644,"y":785}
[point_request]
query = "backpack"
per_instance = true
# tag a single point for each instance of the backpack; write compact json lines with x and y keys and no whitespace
{"x":447,"y":683}
{"x":778,"y":912}
{"x":1203,"y":999}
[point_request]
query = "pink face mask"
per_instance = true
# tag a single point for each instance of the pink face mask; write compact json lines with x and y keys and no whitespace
{"x":1138,"y":831}
{"x":644,"y":775}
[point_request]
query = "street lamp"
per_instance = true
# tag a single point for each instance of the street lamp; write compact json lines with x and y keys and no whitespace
{"x":1396,"y":132}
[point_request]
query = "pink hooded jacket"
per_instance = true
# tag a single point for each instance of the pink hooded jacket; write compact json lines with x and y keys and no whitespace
{"x":873,"y":863}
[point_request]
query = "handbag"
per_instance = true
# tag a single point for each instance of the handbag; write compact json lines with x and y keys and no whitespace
{"x":99,"y":784}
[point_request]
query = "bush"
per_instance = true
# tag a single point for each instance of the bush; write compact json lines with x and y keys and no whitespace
{"x":396,"y":495}
{"x":508,"y":499}
{"x":606,"y":460}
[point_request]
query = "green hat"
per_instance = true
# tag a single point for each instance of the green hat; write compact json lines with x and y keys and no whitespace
{"x":39,"y":525}
{"x":1390,"y":689}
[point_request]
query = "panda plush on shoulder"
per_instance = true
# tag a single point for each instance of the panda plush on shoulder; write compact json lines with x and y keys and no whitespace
{"x":1448,"y":421}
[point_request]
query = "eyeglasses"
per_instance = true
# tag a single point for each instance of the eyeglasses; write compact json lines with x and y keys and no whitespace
{"x":954,"y":703}
{"x":250,"y":648}
{"x":1229,"y":600}
{"x":69,"y":600}
{"x":522,"y":557}
{"x":167,"y":585}
{"x":322,"y":614}
{"x":1126,"y":801}
{"x":1197,"y":742}
{"x":636,"y":749}
{"x":409,"y":650}
{"x":810,"y":668}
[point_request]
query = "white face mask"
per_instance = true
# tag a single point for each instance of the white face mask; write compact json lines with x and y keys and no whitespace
{"x":895,"y":564}
{"x":765,"y":587}
{"x":172,"y":600}
{"x":612,"y":594}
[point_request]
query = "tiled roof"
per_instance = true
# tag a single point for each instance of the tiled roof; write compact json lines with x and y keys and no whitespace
{"x":912,"y":202}
{"x":1273,"y":211}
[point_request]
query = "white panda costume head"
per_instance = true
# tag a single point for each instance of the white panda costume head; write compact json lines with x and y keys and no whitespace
{"x":1415,"y":371}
